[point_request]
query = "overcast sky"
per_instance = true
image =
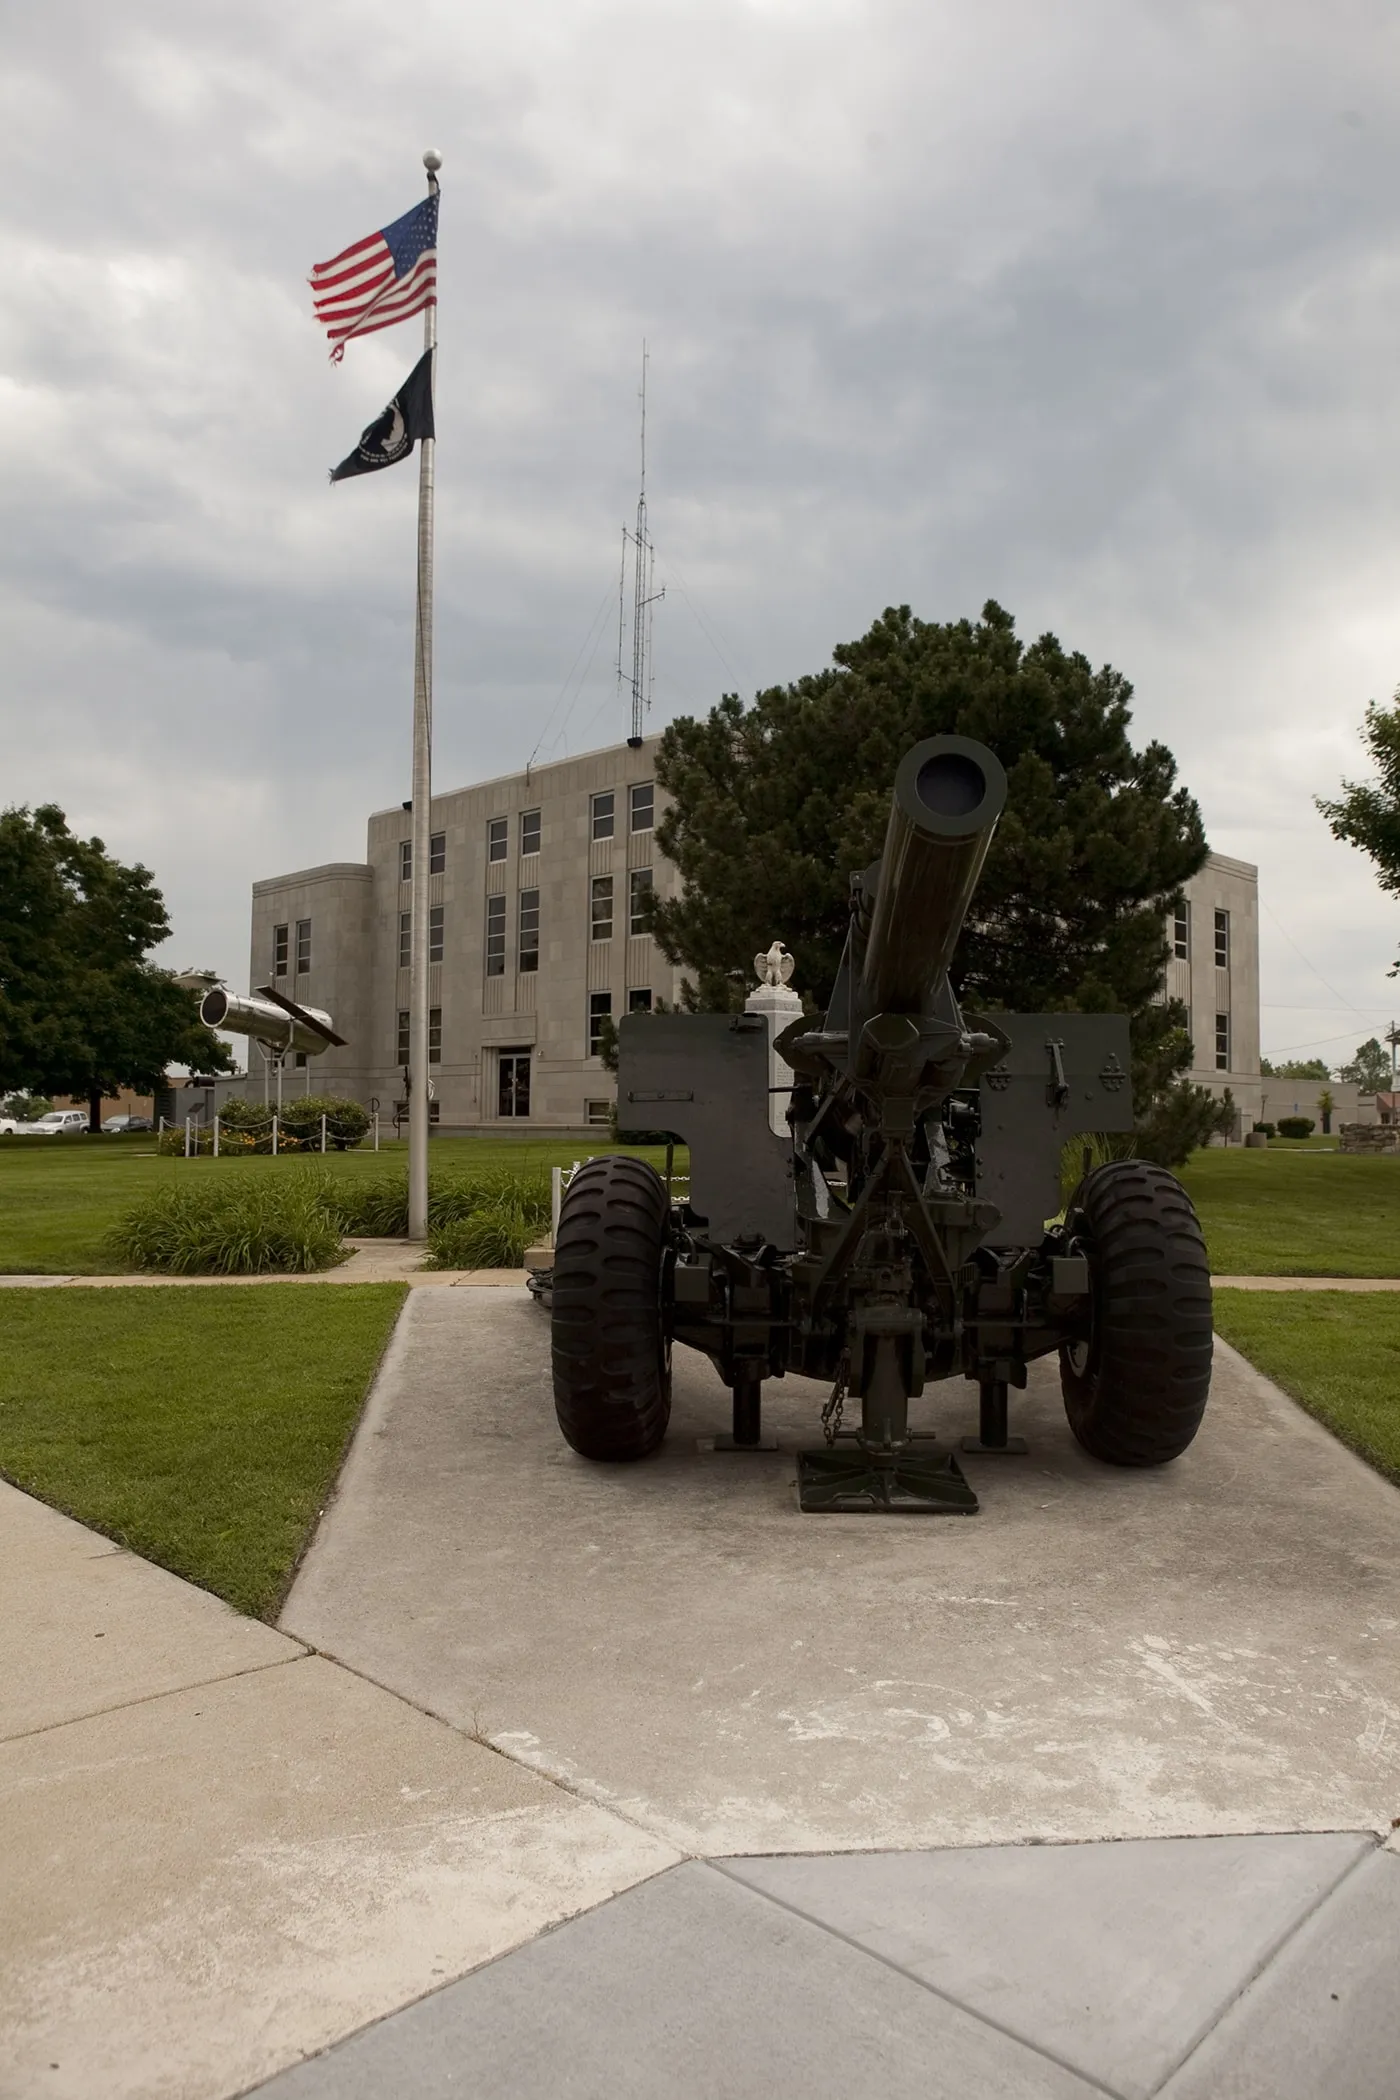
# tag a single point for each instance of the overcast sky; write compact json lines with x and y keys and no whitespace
{"x":1091,"y":308}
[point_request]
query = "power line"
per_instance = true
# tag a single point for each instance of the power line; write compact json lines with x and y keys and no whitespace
{"x":1360,"y":1015}
{"x":603,"y":604}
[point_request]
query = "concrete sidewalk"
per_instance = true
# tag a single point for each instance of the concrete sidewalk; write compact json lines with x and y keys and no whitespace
{"x":630,"y":1855}
{"x":222,"y":1851}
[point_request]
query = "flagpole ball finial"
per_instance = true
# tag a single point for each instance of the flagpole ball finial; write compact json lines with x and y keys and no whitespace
{"x":432,"y":160}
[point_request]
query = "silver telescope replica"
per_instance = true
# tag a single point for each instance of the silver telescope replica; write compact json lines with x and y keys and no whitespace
{"x":270,"y":1019}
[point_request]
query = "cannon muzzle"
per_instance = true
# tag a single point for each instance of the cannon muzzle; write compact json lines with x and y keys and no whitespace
{"x":948,"y":794}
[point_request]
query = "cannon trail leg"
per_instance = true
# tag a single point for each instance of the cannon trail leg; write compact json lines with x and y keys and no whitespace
{"x":991,"y":1438}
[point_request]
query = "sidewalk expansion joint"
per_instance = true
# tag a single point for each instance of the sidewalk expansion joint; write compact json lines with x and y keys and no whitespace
{"x":1270,"y":1956}
{"x":897,"y":1969}
{"x":574,"y":1789}
{"x":170,"y":1691}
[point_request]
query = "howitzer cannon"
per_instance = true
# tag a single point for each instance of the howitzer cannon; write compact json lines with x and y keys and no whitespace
{"x":910,"y":1228}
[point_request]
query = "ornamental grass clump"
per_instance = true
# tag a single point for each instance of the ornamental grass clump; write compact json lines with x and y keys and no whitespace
{"x":486,"y":1223}
{"x":239,"y":1225}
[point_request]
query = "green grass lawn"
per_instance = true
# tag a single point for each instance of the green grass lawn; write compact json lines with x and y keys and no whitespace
{"x":60,"y":1196}
{"x":1338,"y":1352}
{"x":202,"y":1428}
{"x":1297,"y":1212}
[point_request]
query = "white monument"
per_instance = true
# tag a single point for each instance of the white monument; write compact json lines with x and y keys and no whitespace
{"x":776,"y":999}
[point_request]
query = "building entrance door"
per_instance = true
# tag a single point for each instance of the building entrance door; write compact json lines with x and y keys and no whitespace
{"x":514,"y":1084}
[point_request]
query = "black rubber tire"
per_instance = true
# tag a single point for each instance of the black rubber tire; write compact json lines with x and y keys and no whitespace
{"x":612,"y":1356}
{"x":1136,"y":1393}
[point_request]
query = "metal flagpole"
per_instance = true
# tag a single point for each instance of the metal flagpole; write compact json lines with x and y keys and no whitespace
{"x":422,"y":804}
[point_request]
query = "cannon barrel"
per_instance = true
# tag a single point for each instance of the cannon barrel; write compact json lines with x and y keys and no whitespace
{"x":948,"y":794}
{"x":263,"y":1021}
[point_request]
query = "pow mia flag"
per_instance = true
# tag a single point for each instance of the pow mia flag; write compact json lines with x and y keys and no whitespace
{"x":392,"y":436}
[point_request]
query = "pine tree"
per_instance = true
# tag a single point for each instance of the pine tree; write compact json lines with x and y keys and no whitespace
{"x":774,"y":805}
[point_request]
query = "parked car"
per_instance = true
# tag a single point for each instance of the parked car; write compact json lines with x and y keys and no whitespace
{"x":10,"y":1126}
{"x":118,"y":1126}
{"x":59,"y":1122}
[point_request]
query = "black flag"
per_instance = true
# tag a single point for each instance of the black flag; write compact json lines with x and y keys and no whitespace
{"x":392,"y":436}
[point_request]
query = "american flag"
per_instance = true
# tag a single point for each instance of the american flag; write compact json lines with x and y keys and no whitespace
{"x":386,"y":277}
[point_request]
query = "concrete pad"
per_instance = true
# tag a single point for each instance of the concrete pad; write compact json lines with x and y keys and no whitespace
{"x":201,"y":1889}
{"x":1113,"y":1959}
{"x":1212,"y":1647}
{"x":86,"y":1625}
{"x":1324,"y":2019}
{"x":691,"y":1988}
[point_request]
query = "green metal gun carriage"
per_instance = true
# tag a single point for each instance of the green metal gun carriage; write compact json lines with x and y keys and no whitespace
{"x":908,"y":1227}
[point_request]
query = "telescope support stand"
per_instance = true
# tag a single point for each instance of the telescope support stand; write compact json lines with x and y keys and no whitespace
{"x":992,"y":1440}
{"x":862,"y":1482}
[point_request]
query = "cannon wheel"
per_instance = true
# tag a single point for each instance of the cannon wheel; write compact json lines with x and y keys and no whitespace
{"x":1135,"y":1388}
{"x":612,"y":1354}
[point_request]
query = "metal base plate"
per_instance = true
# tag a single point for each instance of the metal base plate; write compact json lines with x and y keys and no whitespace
{"x":727,"y":1443}
{"x":917,"y":1484}
{"x":1014,"y":1447}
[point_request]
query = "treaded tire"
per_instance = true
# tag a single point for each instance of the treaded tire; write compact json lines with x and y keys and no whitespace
{"x":1136,"y":1392}
{"x":612,"y":1357}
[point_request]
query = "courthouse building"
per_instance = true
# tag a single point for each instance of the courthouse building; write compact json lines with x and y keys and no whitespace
{"x":538,"y":889}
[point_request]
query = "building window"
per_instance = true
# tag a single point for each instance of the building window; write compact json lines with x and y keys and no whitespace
{"x":600,"y":908}
{"x":279,"y":950}
{"x":495,"y":936}
{"x":639,"y":900}
{"x":434,"y":1035}
{"x":513,"y":1083}
{"x":303,"y":946}
{"x":530,"y":832}
{"x":1222,"y":940}
{"x":497,"y":838}
{"x":405,"y":939}
{"x":528,"y":950}
{"x":1222,"y":1042}
{"x":437,"y":853}
{"x":639,"y":1002}
{"x":598,"y":1114}
{"x":405,"y":860}
{"x":643,"y":798}
{"x":599,"y":1010}
{"x":435,"y":934}
{"x":603,"y":808}
{"x":1181,"y":933}
{"x":301,"y":1060}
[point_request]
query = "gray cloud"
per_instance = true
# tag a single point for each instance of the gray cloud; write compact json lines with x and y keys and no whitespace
{"x":1089,"y":309}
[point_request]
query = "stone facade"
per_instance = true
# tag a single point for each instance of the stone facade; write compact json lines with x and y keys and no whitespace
{"x":1214,"y":969}
{"x":545,"y":865}
{"x":551,"y":856}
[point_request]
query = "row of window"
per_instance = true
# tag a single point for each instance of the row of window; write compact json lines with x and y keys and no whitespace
{"x":1181,"y":936}
{"x":602,"y":815}
{"x":599,"y":1011}
{"x":281,"y":948}
{"x":639,"y":900}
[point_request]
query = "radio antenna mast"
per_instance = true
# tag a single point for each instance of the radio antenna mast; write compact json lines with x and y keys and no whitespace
{"x":643,"y":596}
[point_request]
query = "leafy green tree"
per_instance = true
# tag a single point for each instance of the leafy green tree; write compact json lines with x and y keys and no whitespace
{"x":82,"y":1010}
{"x":773,"y":806}
{"x":1367,"y":812}
{"x":1369,"y":1069}
{"x":1295,"y":1068}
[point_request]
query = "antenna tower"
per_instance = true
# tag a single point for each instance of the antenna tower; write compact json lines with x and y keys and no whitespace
{"x":643,"y":554}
